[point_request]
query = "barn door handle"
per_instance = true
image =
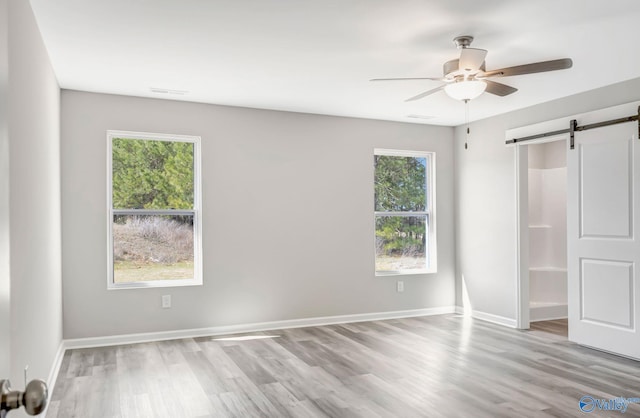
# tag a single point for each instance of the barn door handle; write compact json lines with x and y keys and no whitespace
{"x":34,"y":397}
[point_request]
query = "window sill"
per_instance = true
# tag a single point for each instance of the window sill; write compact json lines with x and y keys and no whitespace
{"x":404,"y":273}
{"x":154,"y":284}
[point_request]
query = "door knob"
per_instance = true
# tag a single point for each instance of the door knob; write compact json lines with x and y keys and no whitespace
{"x":34,"y":397}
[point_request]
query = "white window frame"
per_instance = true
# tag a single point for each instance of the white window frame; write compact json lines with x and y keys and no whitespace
{"x":196,"y":212}
{"x":429,"y":212}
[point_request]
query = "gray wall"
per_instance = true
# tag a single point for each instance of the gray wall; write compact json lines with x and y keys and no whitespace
{"x":486,"y":197}
{"x":287,"y":215}
{"x":34,"y":199}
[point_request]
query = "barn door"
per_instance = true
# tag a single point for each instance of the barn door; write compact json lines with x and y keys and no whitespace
{"x":604,"y":239}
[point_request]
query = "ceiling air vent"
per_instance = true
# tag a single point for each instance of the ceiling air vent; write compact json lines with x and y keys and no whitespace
{"x":168,"y":91}
{"x":420,"y":116}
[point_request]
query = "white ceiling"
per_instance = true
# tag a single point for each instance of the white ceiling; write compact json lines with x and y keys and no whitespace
{"x":317,"y":56}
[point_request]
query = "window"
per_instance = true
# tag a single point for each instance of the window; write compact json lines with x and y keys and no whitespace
{"x":154,"y":224}
{"x":405,"y":232}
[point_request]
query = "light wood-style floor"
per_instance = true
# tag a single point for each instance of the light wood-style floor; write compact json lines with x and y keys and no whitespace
{"x":557,"y":327}
{"x":436,"y":366}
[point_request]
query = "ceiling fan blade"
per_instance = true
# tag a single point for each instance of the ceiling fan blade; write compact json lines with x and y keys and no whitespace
{"x":499,"y":89}
{"x":536,"y":67}
{"x":471,"y":58}
{"x":425,"y":94}
{"x":407,"y":79}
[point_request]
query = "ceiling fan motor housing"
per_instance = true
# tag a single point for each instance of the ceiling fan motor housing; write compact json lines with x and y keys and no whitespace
{"x":451,"y":69}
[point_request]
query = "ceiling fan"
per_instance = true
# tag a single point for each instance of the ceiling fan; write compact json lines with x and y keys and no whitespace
{"x":466,"y":78}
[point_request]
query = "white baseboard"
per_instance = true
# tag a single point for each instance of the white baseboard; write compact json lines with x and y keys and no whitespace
{"x":254,"y":327}
{"x":53,"y":373}
{"x":548,"y":313}
{"x":484,"y":316}
{"x":496,"y":319}
{"x":55,"y":367}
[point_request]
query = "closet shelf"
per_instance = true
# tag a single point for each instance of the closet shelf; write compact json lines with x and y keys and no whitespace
{"x":547,"y":268}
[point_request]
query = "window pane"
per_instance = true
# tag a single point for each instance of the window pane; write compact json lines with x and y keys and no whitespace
{"x":401,"y":243}
{"x":400,"y":183}
{"x":152,"y":174}
{"x":152,"y":247}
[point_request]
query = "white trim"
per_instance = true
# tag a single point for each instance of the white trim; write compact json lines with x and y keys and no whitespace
{"x":151,"y":136}
{"x":253,"y":327}
{"x":196,"y":212}
{"x":401,"y":152}
{"x":484,"y":316}
{"x":429,"y":212}
{"x":174,"y":212}
{"x":401,"y":214}
{"x":151,"y":284}
{"x":404,"y":272}
{"x":522,"y":237}
{"x":549,"y":318}
{"x":55,"y":367}
{"x":496,"y":319}
{"x":549,"y":312}
{"x":53,"y":373}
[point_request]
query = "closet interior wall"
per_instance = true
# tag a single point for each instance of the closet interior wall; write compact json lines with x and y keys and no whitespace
{"x":548,"y":230}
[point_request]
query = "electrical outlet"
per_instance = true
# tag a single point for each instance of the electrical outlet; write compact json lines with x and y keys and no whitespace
{"x":400,"y":286}
{"x":166,"y":301}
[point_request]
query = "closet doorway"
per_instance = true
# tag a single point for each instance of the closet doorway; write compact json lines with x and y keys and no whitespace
{"x":542,"y":178}
{"x":547,"y":205}
{"x":603,"y":227}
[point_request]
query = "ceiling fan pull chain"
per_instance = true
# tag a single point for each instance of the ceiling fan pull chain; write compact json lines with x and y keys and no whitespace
{"x":466,"y":120}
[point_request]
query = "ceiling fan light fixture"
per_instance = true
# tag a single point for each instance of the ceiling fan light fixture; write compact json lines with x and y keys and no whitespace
{"x":465,"y":90}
